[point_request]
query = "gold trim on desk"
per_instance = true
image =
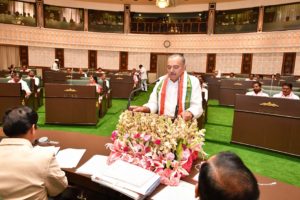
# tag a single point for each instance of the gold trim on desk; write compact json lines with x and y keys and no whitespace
{"x":69,"y":76}
{"x":119,"y":78}
{"x":70,"y":90}
{"x":269,"y":104}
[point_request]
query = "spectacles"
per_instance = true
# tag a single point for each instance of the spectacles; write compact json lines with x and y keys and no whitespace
{"x":198,"y":166}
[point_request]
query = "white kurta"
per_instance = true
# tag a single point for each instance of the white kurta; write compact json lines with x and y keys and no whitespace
{"x":290,"y":96}
{"x":171,"y":97}
{"x":260,"y":94}
{"x":24,"y":85}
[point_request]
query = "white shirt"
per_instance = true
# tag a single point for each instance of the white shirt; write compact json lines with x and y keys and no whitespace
{"x":36,"y":80}
{"x":54,"y":67}
{"x":205,"y":91}
{"x":143,"y":72}
{"x":24,"y":85}
{"x":259,"y":94}
{"x":171,"y":98}
{"x":290,"y":96}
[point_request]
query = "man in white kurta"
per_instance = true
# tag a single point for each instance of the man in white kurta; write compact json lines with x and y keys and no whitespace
{"x":287,"y":92}
{"x":144,"y":78}
{"x":166,"y":94}
{"x":257,"y":90}
{"x":16,"y":79}
{"x":55,"y":66}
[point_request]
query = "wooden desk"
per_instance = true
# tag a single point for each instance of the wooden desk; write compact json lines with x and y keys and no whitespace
{"x":71,"y":104}
{"x":229,"y":88}
{"x":270,"y":123}
{"x":121,"y":85}
{"x":213,"y":87}
{"x":95,"y":145}
{"x":10,"y":97}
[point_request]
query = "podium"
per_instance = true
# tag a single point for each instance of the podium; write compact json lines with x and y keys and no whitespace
{"x":71,"y":104}
{"x":10,"y":97}
{"x":269,"y":123}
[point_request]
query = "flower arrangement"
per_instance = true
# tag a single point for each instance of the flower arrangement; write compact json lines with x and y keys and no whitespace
{"x":156,"y":143}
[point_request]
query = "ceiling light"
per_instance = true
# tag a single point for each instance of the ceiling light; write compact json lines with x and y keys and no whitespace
{"x":162,"y":3}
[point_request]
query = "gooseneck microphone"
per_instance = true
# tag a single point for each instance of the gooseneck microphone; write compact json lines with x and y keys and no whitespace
{"x":138,"y":89}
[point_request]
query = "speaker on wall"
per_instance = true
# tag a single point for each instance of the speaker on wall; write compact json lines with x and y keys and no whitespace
{"x":212,"y":6}
{"x":127,"y":7}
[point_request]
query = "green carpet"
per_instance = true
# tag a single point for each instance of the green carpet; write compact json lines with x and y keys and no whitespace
{"x":218,"y":135}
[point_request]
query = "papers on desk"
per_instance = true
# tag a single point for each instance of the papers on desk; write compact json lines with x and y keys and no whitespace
{"x":184,"y":191}
{"x":52,"y":149}
{"x":69,"y":158}
{"x":96,"y":165}
{"x":128,"y":179}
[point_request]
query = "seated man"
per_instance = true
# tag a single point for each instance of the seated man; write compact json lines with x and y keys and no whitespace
{"x":176,"y":93}
{"x":286,"y":92}
{"x":257,"y":90}
{"x":225,"y":177}
{"x":250,"y":78}
{"x":17,"y":79}
{"x":24,"y":172}
{"x":55,"y":65}
{"x":31,"y":75}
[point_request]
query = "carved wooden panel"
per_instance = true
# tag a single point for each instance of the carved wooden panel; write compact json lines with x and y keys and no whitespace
{"x":123,"y":61}
{"x":211,"y":63}
{"x":24,"y":55}
{"x":288,"y":63}
{"x":246,"y":63}
{"x":92,"y":59}
{"x":153,"y":62}
{"x":59,"y":54}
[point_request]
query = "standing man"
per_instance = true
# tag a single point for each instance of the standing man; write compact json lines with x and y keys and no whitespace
{"x":144,"y":78}
{"x":26,"y":173}
{"x":176,"y":93}
{"x":257,"y":90}
{"x":55,"y":65}
{"x":17,"y":79}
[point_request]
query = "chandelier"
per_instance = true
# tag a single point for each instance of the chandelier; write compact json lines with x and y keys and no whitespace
{"x":162,"y":3}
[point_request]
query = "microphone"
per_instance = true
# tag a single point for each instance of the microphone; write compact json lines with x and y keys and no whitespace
{"x":138,"y":89}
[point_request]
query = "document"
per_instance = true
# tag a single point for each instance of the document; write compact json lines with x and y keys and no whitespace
{"x":69,"y":158}
{"x":128,"y":179}
{"x":52,"y":149}
{"x":184,"y":191}
{"x":96,"y":165}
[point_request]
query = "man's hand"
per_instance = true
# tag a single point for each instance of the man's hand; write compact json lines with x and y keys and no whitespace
{"x":143,"y":109}
{"x":187,"y":115}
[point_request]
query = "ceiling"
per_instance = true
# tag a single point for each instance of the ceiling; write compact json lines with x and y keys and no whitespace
{"x":152,"y":2}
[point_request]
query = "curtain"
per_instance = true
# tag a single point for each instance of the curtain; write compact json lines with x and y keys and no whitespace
{"x":9,"y":55}
{"x":69,"y":14}
{"x":285,"y":11}
{"x":21,"y":7}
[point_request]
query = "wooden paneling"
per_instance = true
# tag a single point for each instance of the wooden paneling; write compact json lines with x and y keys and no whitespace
{"x":153,"y":62}
{"x":246,"y":63}
{"x":24,"y":55}
{"x":92,"y":59}
{"x":211,"y":63}
{"x":59,"y":54}
{"x":288,"y":63}
{"x":123,"y":61}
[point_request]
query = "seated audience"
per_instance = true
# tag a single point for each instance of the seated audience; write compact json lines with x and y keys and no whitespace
{"x":257,"y":90}
{"x":16,"y":79}
{"x":24,"y":69}
{"x":26,"y":173}
{"x":94,"y":81}
{"x":286,"y":92}
{"x":225,"y":177}
{"x":135,"y":77}
{"x":31,"y":75}
{"x":251,"y":78}
{"x":80,"y":71}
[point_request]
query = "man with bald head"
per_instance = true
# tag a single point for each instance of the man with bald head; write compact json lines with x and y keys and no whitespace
{"x":225,"y":177}
{"x":176,"y":93}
